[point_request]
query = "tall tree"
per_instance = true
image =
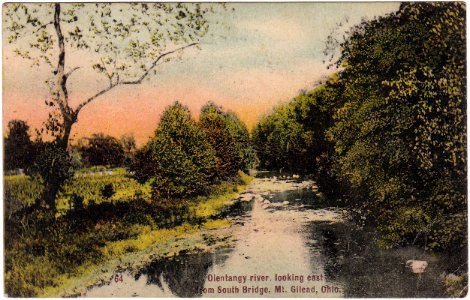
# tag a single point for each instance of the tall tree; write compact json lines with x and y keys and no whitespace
{"x":246,"y":152}
{"x":215,"y":124}
{"x":124,"y":42}
{"x":128,"y":143}
{"x":183,"y":160}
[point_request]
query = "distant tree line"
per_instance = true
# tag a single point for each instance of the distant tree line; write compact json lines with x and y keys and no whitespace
{"x":387,"y":132}
{"x":21,"y":152}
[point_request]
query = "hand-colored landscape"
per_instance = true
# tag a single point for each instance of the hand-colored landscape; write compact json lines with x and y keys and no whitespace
{"x":235,"y":150}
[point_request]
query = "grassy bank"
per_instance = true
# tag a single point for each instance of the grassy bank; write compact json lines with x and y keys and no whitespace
{"x":21,"y":191}
{"x":83,"y":247}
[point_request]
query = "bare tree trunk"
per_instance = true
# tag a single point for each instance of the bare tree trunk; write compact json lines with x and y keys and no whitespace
{"x":68,"y":123}
{"x":53,"y":183}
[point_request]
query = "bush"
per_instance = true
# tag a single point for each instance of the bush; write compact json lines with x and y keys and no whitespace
{"x":108,"y":191}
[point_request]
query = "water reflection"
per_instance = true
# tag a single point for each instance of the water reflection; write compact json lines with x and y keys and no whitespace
{"x":350,"y":256}
{"x":184,"y":275}
{"x":302,"y":197}
{"x":286,"y":239}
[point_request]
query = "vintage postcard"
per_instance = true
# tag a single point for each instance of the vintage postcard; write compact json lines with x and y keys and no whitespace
{"x":274,"y":150}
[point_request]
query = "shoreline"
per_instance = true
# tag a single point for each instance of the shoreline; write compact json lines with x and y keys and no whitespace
{"x":154,"y":244}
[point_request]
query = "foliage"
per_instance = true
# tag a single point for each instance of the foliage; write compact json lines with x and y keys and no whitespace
{"x":102,"y":150}
{"x":20,"y":192}
{"x":229,"y":138}
{"x":123,"y":45}
{"x":246,"y":153}
{"x":142,"y":167}
{"x":77,"y":202}
{"x":182,"y":158}
{"x":388,"y":130}
{"x":292,"y":137}
{"x":108,"y":191}
{"x":18,"y":147}
{"x":87,"y":184}
{"x":400,"y":135}
{"x":456,"y":285}
{"x":54,"y":166}
{"x":123,"y":48}
{"x":129,"y":145}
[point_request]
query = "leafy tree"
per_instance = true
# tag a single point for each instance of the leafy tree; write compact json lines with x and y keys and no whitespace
{"x":400,"y":135}
{"x":292,"y":137}
{"x":229,"y":138}
{"x":105,"y":150}
{"x":54,"y":165}
{"x":125,"y":41}
{"x":19,"y":149}
{"x":246,"y":153}
{"x":182,"y":157}
{"x":278,"y":140}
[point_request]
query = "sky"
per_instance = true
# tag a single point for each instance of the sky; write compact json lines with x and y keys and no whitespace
{"x":256,"y":56}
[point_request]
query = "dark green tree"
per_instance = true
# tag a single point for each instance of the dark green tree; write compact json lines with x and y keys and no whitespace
{"x":142,"y":167}
{"x":129,"y":145}
{"x":292,"y":137}
{"x":54,"y":166}
{"x":183,"y":159}
{"x":19,"y":149}
{"x":400,"y":135}
{"x":229,"y":138}
{"x":104,"y":150}
{"x":246,"y":153}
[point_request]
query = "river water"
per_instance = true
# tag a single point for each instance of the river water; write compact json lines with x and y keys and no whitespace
{"x":290,"y":242}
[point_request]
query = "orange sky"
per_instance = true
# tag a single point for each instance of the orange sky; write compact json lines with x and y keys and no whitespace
{"x":268,"y":53}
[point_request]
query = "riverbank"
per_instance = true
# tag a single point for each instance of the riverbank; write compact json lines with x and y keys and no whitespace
{"x":290,"y":242}
{"x":156,"y":244}
{"x":76,"y":253}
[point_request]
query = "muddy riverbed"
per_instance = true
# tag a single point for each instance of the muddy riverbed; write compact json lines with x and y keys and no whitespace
{"x":288,"y":241}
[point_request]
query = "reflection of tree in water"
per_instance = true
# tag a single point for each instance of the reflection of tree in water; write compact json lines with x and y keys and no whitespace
{"x":329,"y":243}
{"x":184,"y":274}
{"x":351,"y":257}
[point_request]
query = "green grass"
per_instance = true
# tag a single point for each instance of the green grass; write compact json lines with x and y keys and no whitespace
{"x":42,"y":258}
{"x":21,"y":191}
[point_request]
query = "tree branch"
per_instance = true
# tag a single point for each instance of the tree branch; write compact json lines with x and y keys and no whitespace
{"x":60,"y":40}
{"x":77,"y":110}
{"x":71,"y":71}
{"x":43,"y":26}
{"x":138,"y":81}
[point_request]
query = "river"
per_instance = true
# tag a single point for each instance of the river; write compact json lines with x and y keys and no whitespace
{"x":289,"y":242}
